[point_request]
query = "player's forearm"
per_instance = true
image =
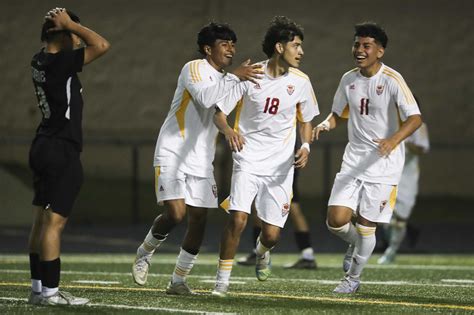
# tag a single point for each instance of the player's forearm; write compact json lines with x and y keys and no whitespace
{"x":408,"y":127}
{"x":305,"y":129}
{"x":96,"y":45}
{"x":220,"y":120}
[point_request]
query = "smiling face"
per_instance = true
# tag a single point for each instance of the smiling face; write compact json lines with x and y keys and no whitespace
{"x":292,"y":52}
{"x":367,"y":54}
{"x":220,"y":54}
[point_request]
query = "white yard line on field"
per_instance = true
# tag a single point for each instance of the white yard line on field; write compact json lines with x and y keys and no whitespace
{"x":130,"y":307}
{"x":96,"y":282}
{"x":466,"y":281}
{"x":317,"y":281}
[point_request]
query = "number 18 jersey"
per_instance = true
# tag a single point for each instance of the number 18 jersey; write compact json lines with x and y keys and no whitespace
{"x":266,"y":118}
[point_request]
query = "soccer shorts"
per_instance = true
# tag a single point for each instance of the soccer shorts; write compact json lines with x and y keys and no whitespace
{"x":272,"y":196}
{"x":57,"y":174}
{"x":373,"y":201}
{"x":172,"y":184}
{"x":407,"y":192}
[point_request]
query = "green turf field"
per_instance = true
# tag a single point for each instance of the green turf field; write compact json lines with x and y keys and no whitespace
{"x":417,"y":284}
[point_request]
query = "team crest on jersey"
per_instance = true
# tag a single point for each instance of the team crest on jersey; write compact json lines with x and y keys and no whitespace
{"x":257,"y":86}
{"x":383,"y":204}
{"x":285,"y":209}
{"x":290,"y":89}
{"x":214,"y":190}
{"x":352,"y":87}
{"x":379,"y":89}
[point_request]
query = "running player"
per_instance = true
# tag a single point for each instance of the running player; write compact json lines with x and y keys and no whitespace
{"x":375,"y":99}
{"x":55,"y":152}
{"x":263,"y":142}
{"x":416,"y":144}
{"x":185,"y":150}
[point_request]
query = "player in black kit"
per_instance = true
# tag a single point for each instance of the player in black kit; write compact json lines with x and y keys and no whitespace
{"x":55,"y":152}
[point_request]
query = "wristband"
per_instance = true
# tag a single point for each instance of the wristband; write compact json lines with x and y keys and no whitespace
{"x":325,"y":125}
{"x":305,"y":146}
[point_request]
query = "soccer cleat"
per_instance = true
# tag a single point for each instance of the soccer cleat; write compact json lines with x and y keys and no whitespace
{"x":263,"y":266}
{"x":347,"y":261}
{"x":248,"y":260}
{"x":220,"y":289}
{"x":302,"y":264}
{"x":63,"y":298}
{"x":178,"y":288}
{"x":34,"y":298}
{"x":387,"y":258}
{"x":140,"y":268}
{"x":348,"y":285}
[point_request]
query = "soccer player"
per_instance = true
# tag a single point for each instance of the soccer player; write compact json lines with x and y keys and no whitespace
{"x":263,"y":142}
{"x":301,"y":227}
{"x":55,"y":152}
{"x":416,"y":144}
{"x":185,"y":151}
{"x":381,"y":112}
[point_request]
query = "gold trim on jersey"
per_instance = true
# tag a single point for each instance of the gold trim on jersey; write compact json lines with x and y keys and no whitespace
{"x":239,"y":106}
{"x":393,"y":197}
{"x":181,"y":112}
{"x":406,"y":90}
{"x":345,"y":112}
{"x":298,"y":73}
{"x":194,"y":70}
{"x":299,"y":114}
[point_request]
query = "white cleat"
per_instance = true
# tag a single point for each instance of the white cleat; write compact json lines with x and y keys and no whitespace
{"x":34,"y":298}
{"x":387,"y":258}
{"x":220,"y":289}
{"x":263,"y":267}
{"x":348,"y":285}
{"x":347,"y":261}
{"x":63,"y":298}
{"x":140,"y":268}
{"x":179,"y":288}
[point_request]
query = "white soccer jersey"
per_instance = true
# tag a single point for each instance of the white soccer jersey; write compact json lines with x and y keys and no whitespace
{"x":408,"y":186}
{"x":376,"y":107}
{"x":187,"y":138}
{"x":266,"y":118}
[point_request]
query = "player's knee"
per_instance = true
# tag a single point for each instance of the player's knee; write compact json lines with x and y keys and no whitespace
{"x":238,"y":221}
{"x":174,"y":217}
{"x":336,"y":221}
{"x":338,"y":229}
{"x":270,"y":238}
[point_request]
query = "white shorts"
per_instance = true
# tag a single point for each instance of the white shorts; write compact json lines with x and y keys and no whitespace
{"x":272,"y":196}
{"x":172,"y":184}
{"x":373,"y":201}
{"x":407,"y":191}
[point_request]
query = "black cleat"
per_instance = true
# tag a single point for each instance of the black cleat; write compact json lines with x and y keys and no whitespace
{"x":303,"y":264}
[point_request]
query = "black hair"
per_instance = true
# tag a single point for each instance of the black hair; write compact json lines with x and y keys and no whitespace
{"x":50,"y":36}
{"x":281,"y":30}
{"x":371,"y":29}
{"x":208,"y":35}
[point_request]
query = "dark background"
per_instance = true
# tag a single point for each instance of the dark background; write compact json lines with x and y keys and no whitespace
{"x":128,"y":92}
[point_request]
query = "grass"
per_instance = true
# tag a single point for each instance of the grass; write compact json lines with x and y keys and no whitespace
{"x":421,"y":284}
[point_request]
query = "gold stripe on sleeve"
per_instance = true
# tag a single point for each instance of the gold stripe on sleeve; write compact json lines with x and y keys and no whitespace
{"x":393,"y":197}
{"x":406,"y":90}
{"x":181,"y":112}
{"x":239,"y":107}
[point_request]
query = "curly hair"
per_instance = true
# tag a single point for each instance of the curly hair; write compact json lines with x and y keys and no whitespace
{"x":212,"y":32}
{"x":371,"y":29}
{"x":281,"y":30}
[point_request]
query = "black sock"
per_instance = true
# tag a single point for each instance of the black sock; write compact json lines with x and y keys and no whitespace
{"x":35,"y":269}
{"x":256,"y":233}
{"x":303,"y":240}
{"x":50,"y":271}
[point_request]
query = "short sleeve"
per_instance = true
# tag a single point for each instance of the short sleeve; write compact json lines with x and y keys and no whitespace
{"x":308,"y":105}
{"x":70,"y":61}
{"x":340,"y":101}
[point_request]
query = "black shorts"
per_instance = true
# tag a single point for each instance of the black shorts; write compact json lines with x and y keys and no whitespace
{"x":57,"y":173}
{"x":296,"y":192}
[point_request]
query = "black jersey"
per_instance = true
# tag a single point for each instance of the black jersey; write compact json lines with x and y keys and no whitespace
{"x":58,"y":91}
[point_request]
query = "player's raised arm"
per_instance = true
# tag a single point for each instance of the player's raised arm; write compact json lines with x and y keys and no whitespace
{"x":96,"y":45}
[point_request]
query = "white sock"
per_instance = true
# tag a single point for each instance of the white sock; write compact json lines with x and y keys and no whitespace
{"x":184,"y":264}
{"x":260,"y":249}
{"x":223,"y":270}
{"x":47,"y":292}
{"x":307,"y":253}
{"x":347,"y":232}
{"x":397,"y":234}
{"x":363,"y":249}
{"x":151,"y":243}
{"x":36,"y":286}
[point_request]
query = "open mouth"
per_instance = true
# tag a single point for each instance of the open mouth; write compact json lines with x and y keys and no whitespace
{"x":360,"y":58}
